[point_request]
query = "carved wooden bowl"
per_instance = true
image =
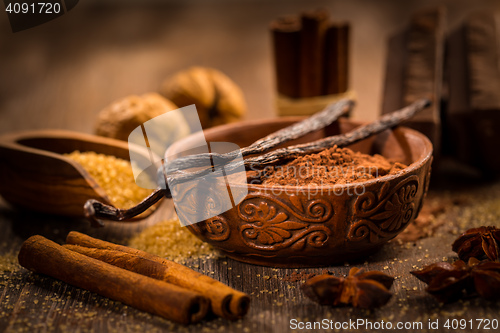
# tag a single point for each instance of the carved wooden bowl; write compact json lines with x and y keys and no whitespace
{"x":297,"y":226}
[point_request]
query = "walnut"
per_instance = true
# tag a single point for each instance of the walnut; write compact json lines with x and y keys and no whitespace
{"x":120,"y":118}
{"x":217,"y":98}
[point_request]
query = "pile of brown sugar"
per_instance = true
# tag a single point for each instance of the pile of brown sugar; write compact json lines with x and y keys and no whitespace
{"x":330,"y":167}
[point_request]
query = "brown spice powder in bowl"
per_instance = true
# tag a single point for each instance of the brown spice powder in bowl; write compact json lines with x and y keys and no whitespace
{"x":333,"y":166}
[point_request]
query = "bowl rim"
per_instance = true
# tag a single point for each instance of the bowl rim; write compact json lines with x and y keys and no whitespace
{"x":426,"y":155}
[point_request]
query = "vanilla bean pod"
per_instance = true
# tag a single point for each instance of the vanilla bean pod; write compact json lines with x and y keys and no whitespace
{"x":316,"y":122}
{"x":387,"y":121}
{"x":95,"y":210}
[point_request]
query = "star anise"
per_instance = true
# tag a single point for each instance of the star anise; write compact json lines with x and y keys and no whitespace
{"x":450,"y":282}
{"x":361,"y":289}
{"x":478,"y":243}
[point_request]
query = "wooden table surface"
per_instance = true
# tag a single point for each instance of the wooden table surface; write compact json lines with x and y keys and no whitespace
{"x":59,"y":75}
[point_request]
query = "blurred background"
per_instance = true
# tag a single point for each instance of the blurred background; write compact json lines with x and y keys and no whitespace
{"x":62,"y":73}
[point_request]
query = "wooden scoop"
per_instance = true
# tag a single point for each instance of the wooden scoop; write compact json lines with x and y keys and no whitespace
{"x":35,"y":175}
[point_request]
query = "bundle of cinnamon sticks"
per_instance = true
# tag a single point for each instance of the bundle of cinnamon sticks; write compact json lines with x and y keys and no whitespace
{"x":310,"y":55}
{"x":134,"y":277}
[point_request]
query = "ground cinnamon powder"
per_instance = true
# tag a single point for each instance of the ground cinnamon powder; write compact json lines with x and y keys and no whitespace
{"x":330,"y":167}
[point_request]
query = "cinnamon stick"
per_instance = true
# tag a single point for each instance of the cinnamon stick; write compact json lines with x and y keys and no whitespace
{"x":41,"y":255}
{"x":286,"y":47}
{"x":336,"y":59}
{"x":225,"y":301}
{"x":311,"y":52}
{"x":344,"y":37}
